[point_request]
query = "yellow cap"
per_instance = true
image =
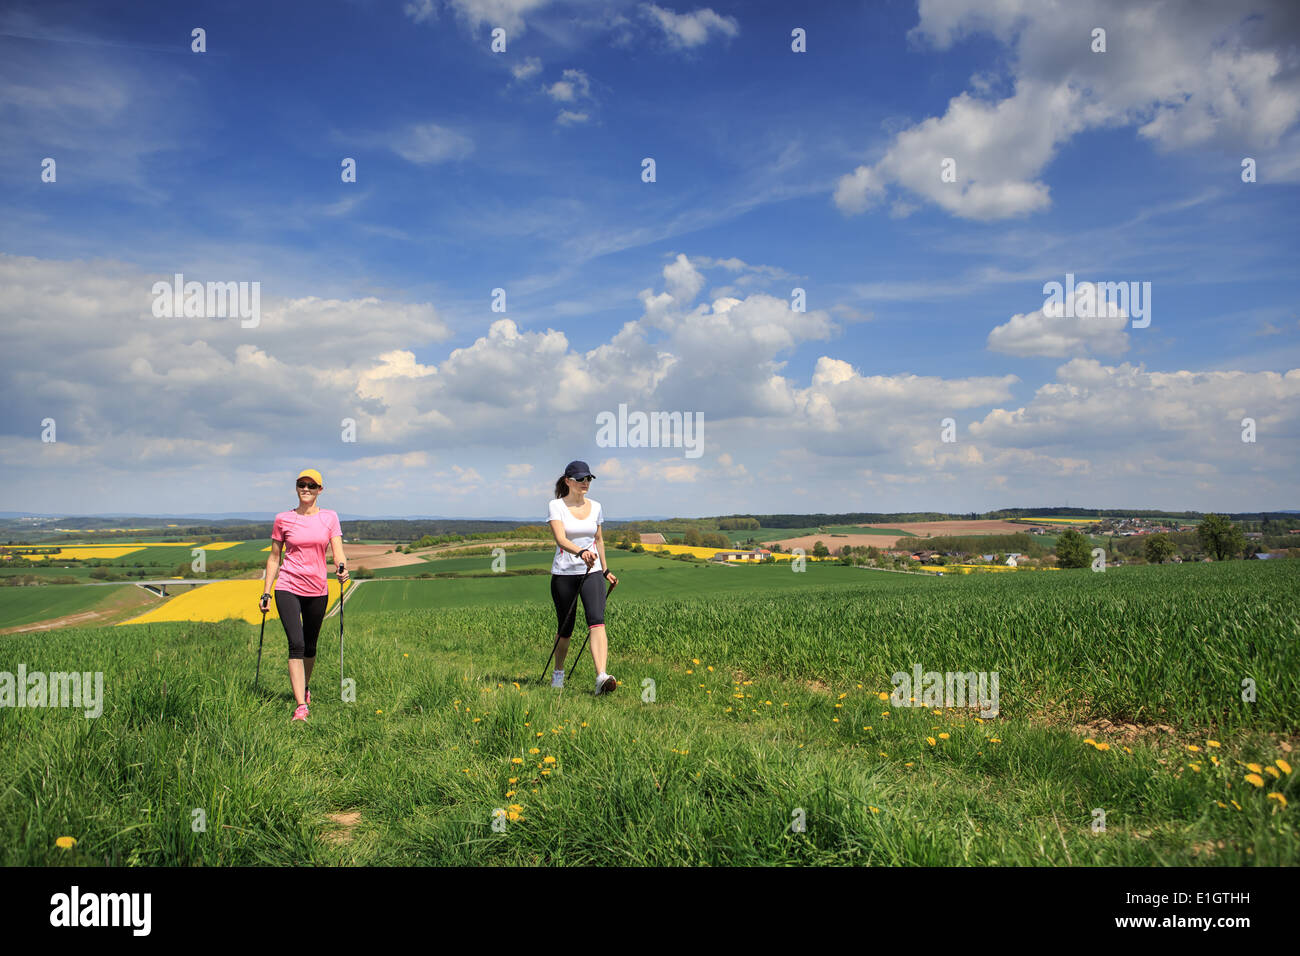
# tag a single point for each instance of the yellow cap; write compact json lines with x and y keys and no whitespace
{"x":311,"y":473}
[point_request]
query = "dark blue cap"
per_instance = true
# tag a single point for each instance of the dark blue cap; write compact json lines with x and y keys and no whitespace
{"x":577,"y":469}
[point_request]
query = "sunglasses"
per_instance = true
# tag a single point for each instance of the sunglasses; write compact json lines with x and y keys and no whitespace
{"x":309,"y":485}
{"x":588,"y":478}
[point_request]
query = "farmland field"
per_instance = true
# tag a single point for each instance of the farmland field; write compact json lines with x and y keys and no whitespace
{"x":1120,"y":690}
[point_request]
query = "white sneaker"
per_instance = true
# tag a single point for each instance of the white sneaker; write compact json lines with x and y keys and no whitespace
{"x":605,"y":684}
{"x":557,"y":679}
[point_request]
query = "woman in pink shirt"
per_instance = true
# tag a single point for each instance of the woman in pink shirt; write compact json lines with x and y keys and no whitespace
{"x":302,"y":588}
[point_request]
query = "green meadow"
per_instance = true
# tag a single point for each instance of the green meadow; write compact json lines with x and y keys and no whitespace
{"x":750,"y":727}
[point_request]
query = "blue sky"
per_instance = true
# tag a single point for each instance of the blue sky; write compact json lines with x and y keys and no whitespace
{"x":775,"y":170}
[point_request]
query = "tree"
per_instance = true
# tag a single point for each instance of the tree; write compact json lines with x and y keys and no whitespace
{"x":693,"y":538}
{"x":1072,"y":550}
{"x":820,"y":550}
{"x":1158,"y":548}
{"x":1220,"y":537}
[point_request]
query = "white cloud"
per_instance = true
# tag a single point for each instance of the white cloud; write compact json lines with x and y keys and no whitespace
{"x":686,"y":30}
{"x":527,"y":69}
{"x":518,"y":471}
{"x":1046,"y":333}
{"x":575,"y":85}
{"x":1208,"y":76}
{"x":430,"y":143}
{"x":571,"y":118}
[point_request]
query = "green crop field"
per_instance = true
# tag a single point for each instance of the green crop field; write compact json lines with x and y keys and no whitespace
{"x":25,"y":605}
{"x":750,"y":701}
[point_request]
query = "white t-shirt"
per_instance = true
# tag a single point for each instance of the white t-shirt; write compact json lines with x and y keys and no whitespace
{"x":581,"y":532}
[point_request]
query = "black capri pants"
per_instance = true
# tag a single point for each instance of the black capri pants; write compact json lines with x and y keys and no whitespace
{"x":301,"y":617}
{"x":564,"y":587}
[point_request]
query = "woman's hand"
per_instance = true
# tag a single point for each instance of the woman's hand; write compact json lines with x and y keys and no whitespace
{"x":342,"y":573}
{"x":264,"y":603}
{"x":613,"y":581}
{"x":588,"y":556}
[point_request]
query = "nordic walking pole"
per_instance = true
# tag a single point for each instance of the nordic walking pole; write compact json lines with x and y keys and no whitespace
{"x":258,"y":676}
{"x":342,"y":584}
{"x":573,"y":609}
{"x":585,"y":639}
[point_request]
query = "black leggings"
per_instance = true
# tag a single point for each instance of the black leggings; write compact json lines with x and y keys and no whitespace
{"x":564,"y":587}
{"x":302,"y":632}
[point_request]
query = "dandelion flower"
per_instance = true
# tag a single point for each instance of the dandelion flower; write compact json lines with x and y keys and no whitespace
{"x":1278,"y":797}
{"x":534,"y":750}
{"x":842,"y":696}
{"x":65,"y":842}
{"x":710,"y":668}
{"x":510,"y":793}
{"x":1273,"y":772}
{"x":1255,"y":779}
{"x":545,"y":772}
{"x":882,"y":695}
{"x":1103,"y":746}
{"x":995,"y":740}
{"x":1283,"y":765}
{"x":516,"y":759}
{"x":695,"y":660}
{"x":689,"y":671}
{"x":943,"y":736}
{"x":513,"y":780}
{"x":379,"y":712}
{"x":1235,"y":804}
{"x":1196,"y":767}
{"x":874,"y":809}
{"x":1212,"y":743}
{"x":548,"y":760}
{"x":1193,"y":748}
{"x":1254,"y":768}
{"x":930,"y":741}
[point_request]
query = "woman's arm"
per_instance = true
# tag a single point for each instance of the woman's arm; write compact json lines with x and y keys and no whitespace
{"x":340,"y":560}
{"x":562,"y":540}
{"x":600,"y":546}
{"x":272,"y":568}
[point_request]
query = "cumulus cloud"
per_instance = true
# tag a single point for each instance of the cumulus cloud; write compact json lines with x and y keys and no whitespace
{"x":574,"y":85}
{"x":1050,"y":332}
{"x":1198,"y":79}
{"x":687,"y":30}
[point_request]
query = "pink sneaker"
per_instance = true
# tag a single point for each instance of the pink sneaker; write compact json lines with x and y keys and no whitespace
{"x":309,"y":697}
{"x":300,"y":713}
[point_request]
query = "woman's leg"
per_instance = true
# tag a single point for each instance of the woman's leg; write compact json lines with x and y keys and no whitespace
{"x":593,"y":606}
{"x":313,"y":615}
{"x":288,"y":607}
{"x":564,"y":588}
{"x":598,"y":648}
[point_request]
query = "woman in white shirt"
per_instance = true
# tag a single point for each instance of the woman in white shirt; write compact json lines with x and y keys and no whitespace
{"x":575,"y":522}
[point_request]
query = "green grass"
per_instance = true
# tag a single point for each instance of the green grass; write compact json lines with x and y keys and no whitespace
{"x":662,"y":579}
{"x":682,"y":780}
{"x":26,"y":605}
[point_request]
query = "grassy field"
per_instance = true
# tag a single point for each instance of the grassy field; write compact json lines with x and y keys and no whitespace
{"x":25,"y":605}
{"x":765,"y":712}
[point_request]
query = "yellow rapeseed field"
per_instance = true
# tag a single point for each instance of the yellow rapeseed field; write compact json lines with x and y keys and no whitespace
{"x":217,"y":602}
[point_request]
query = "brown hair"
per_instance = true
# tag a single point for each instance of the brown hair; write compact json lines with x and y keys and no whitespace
{"x":561,"y":489}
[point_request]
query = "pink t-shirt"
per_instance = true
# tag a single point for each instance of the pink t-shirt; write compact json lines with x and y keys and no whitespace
{"x":305,"y":537}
